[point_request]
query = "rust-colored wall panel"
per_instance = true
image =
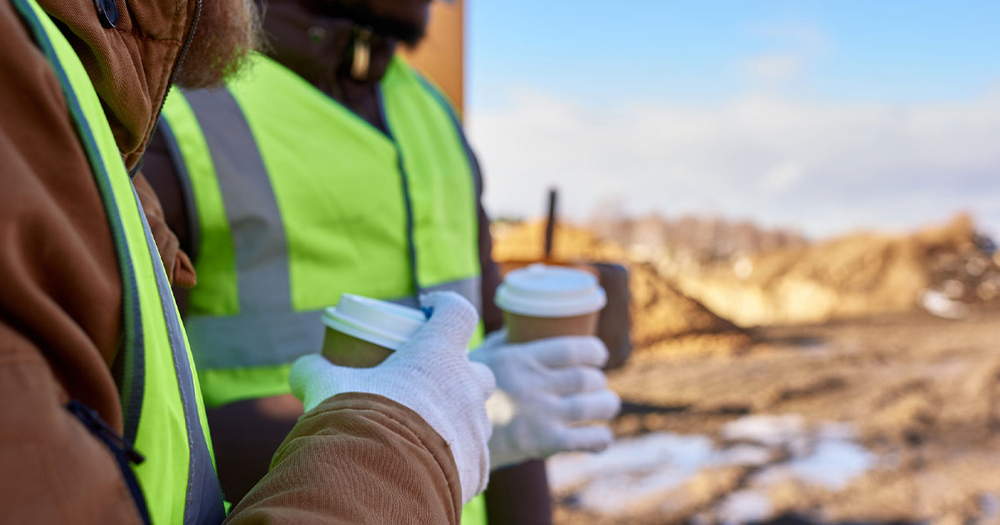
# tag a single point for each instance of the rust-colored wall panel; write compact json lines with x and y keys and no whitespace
{"x":441,"y":55}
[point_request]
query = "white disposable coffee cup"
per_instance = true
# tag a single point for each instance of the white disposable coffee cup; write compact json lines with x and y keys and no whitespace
{"x":542,"y":301}
{"x":362,"y":332}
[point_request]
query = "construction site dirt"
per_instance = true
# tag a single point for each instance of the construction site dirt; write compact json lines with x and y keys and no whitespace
{"x":882,"y":416}
{"x":890,"y":419}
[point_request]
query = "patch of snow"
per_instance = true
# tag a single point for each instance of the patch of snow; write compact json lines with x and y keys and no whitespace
{"x":617,"y":493}
{"x":654,"y":469}
{"x":743,"y":507}
{"x":939,"y":304}
{"x":766,"y":430}
{"x":641,"y":455}
{"x":831,"y":465}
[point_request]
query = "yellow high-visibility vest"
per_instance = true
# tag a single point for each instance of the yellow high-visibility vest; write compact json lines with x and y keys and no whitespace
{"x":161,"y":401}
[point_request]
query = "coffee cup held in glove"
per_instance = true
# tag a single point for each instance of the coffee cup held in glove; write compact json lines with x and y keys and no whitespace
{"x":362,"y":332}
{"x":548,"y":301}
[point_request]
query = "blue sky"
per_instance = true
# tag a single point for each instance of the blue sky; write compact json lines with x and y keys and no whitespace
{"x":889,"y":50}
{"x":902,"y":72}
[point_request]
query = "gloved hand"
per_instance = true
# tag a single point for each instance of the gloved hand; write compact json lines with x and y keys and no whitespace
{"x":543,"y":388}
{"x":432,"y":375}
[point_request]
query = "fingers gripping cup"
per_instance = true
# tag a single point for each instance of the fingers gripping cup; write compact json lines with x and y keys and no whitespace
{"x":547,"y":301}
{"x":362,"y":332}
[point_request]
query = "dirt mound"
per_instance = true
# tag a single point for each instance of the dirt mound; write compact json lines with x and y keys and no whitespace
{"x":526,"y":241}
{"x":664,"y":320}
{"x":851,"y":276}
{"x":944,"y":269}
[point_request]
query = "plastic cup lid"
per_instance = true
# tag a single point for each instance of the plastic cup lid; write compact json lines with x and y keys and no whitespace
{"x":550,"y":291}
{"x":382,"y":323}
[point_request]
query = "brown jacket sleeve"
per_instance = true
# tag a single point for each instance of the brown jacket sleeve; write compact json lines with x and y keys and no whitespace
{"x":176,"y":263}
{"x":60,"y":305}
{"x":357,"y":458}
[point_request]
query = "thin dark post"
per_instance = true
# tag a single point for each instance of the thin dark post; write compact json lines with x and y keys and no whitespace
{"x":550,"y":225}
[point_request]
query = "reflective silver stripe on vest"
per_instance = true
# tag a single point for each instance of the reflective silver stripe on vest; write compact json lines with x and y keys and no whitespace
{"x":267,"y":331}
{"x":261,"y":250}
{"x":254,"y":339}
{"x":279,"y":337}
{"x":471,"y":289}
{"x":254,"y":220}
{"x":203,"y":502}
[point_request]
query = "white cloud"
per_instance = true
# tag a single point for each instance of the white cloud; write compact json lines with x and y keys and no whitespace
{"x":797,"y":44}
{"x":822,"y":166}
{"x":783,"y":176}
{"x":773,"y":67}
{"x":802,"y":35}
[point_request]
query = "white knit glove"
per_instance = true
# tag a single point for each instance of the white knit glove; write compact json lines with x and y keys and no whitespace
{"x":432,"y":375}
{"x":545,"y":390}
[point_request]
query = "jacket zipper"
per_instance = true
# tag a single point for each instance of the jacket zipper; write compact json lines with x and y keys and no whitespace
{"x":361,"y":61}
{"x":120,"y":447}
{"x":92,"y":420}
{"x":173,"y":72}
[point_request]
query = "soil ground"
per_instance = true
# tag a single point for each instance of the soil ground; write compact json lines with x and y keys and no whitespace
{"x":921,"y":393}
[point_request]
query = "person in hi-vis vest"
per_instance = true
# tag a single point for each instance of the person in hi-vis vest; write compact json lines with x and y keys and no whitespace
{"x":331,"y":166}
{"x":103,"y":419}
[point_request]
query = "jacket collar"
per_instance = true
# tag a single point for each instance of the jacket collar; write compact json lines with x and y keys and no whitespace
{"x":130,"y":65}
{"x":328,"y":52}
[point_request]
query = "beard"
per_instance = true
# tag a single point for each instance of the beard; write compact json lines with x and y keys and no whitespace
{"x":227,"y":32}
